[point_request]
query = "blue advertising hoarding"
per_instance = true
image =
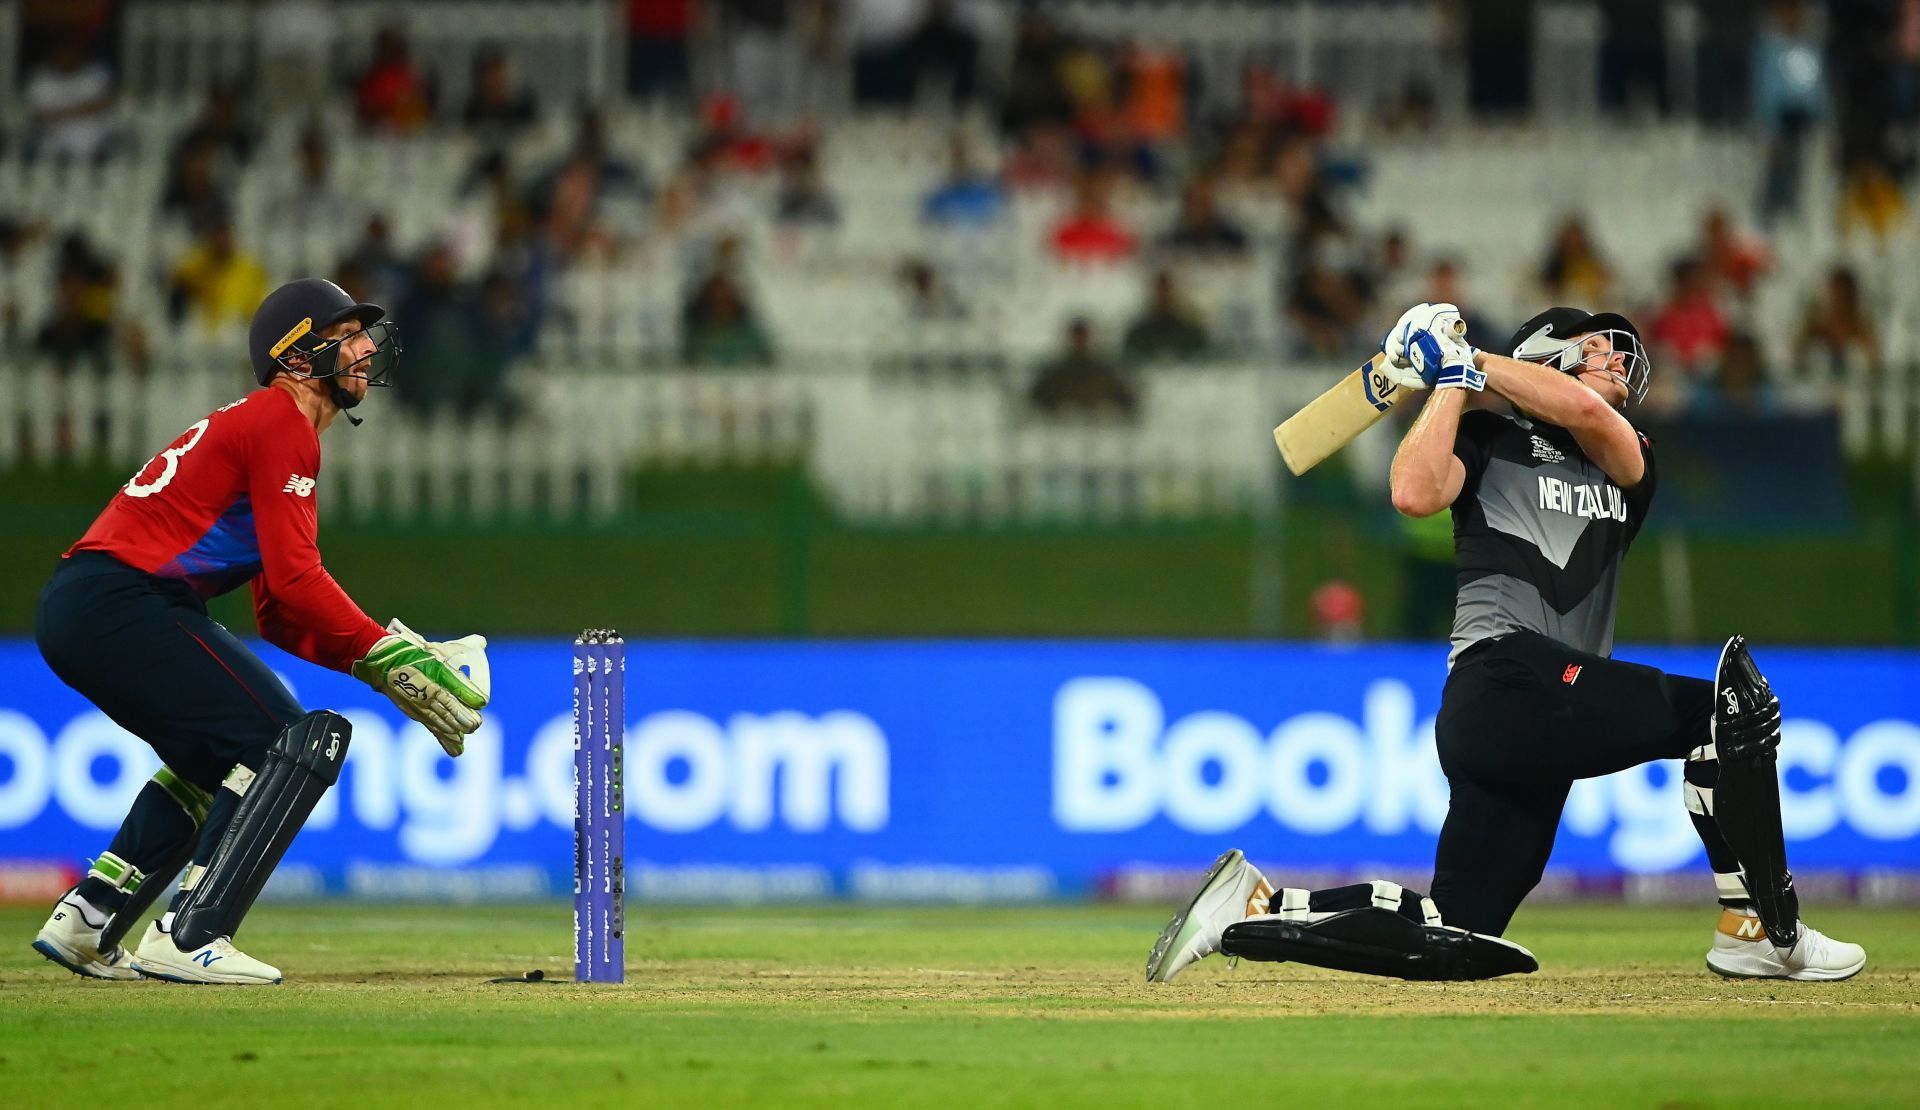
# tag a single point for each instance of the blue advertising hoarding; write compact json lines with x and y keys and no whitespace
{"x":1027,"y":768}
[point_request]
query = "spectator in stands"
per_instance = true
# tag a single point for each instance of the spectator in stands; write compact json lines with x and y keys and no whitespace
{"x":926,"y":295}
{"x":1574,"y":271}
{"x":16,"y":235}
{"x":881,"y":32}
{"x":1633,"y":56}
{"x":1043,"y":159}
{"x":1035,"y":93}
{"x":217,"y":284}
{"x":311,"y":201}
{"x":394,"y":95}
{"x":1734,"y":261}
{"x":80,"y":329}
{"x":1723,"y":60}
{"x":718,"y":328}
{"x":1789,"y":97}
{"x":70,"y":103}
{"x":1241,"y":166}
{"x":967,"y":198}
{"x":375,"y":262}
{"x":1870,"y":198}
{"x":946,"y":48}
{"x":1394,"y":272}
{"x":446,"y":366}
{"x":762,"y":55}
{"x":1090,"y":232}
{"x":1201,"y":230}
{"x":508,"y":321}
{"x":221,"y":130}
{"x":194,"y":194}
{"x":657,"y":32}
{"x":803,"y":198}
{"x":1446,"y":284}
{"x":1296,"y":175}
{"x":1739,"y":387}
{"x":1079,"y":382}
{"x":498,"y":110}
{"x":1689,"y":331}
{"x":1153,"y":102}
{"x":1168,"y":329}
{"x":1836,"y":335}
{"x":294,"y":43}
{"x":1328,"y":290}
{"x":704,"y":204}
{"x":568,"y":198}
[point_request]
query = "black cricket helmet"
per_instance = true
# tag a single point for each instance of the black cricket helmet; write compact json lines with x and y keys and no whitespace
{"x":290,"y":321}
{"x":1554,"y":338}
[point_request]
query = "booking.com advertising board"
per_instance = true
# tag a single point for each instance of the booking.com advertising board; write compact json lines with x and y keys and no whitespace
{"x":982,"y":769}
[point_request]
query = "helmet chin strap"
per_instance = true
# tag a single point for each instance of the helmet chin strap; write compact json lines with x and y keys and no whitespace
{"x":344,"y":401}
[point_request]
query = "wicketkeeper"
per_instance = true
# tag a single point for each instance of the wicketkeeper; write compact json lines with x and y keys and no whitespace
{"x":1548,"y":483}
{"x":124,"y":621}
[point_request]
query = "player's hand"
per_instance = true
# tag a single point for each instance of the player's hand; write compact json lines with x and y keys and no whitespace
{"x":428,"y":683}
{"x":1437,"y":318}
{"x":1444,"y":360}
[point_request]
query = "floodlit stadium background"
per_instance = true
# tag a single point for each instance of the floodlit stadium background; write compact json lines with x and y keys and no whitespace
{"x":899,"y":377}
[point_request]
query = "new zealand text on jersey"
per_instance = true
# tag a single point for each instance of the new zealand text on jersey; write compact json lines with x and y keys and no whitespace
{"x":1598,"y":502}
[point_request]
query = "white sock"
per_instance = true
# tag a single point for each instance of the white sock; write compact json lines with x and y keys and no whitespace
{"x":166,"y":922}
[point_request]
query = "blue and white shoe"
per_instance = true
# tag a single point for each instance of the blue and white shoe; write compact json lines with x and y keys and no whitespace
{"x":73,"y":942}
{"x":216,"y":961}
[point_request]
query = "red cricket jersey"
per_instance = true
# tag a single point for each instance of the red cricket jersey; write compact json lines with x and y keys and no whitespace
{"x":232,"y":500}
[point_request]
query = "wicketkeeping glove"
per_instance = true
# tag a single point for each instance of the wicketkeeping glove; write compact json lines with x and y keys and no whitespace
{"x":426,"y":681}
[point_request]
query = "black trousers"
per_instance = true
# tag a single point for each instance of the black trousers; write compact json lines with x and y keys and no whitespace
{"x":145,"y":652}
{"x":1521,"y":718}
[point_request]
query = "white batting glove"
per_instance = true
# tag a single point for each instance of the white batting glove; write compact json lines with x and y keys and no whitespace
{"x":1436,"y":318}
{"x":427,"y":682}
{"x":1406,"y":377}
{"x":1444,"y":360}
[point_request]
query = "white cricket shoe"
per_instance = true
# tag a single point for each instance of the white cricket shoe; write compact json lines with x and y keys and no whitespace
{"x":1741,"y":950}
{"x":216,"y":961}
{"x":1233,"y":890}
{"x":70,"y":941}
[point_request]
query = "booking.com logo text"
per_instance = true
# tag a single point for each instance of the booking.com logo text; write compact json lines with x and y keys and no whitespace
{"x":1118,"y":763}
{"x":684,"y":772}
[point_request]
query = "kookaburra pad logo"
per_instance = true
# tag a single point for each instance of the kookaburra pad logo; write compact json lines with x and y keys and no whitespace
{"x":1591,"y":502}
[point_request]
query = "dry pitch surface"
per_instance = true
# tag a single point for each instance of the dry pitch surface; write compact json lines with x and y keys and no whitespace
{"x":838,"y":1006}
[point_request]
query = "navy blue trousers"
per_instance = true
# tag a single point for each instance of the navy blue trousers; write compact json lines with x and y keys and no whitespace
{"x":145,"y":652}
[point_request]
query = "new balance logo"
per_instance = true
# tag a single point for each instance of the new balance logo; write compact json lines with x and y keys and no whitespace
{"x":205,"y":957}
{"x":298,"y":486}
{"x":1571,"y":674}
{"x":1750,"y":929}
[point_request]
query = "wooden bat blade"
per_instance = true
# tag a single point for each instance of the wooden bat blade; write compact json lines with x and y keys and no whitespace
{"x":1332,"y":420}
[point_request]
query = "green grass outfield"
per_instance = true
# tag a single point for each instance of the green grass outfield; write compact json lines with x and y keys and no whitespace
{"x":861,"y":1006}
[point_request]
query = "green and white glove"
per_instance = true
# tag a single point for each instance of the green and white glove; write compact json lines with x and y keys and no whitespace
{"x":443,"y":685}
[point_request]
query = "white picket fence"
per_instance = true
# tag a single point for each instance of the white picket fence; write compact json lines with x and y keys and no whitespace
{"x":883,"y":447}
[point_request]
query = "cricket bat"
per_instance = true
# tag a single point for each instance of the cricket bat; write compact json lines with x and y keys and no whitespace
{"x":1332,"y":420}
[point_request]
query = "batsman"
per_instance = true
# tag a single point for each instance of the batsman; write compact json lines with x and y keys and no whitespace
{"x":123,"y":620}
{"x":1548,"y":483}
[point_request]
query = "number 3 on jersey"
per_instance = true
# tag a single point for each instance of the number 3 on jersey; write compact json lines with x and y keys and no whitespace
{"x":168,"y":461}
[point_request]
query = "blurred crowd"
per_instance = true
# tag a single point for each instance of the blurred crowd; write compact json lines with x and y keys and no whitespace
{"x":1088,"y":117}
